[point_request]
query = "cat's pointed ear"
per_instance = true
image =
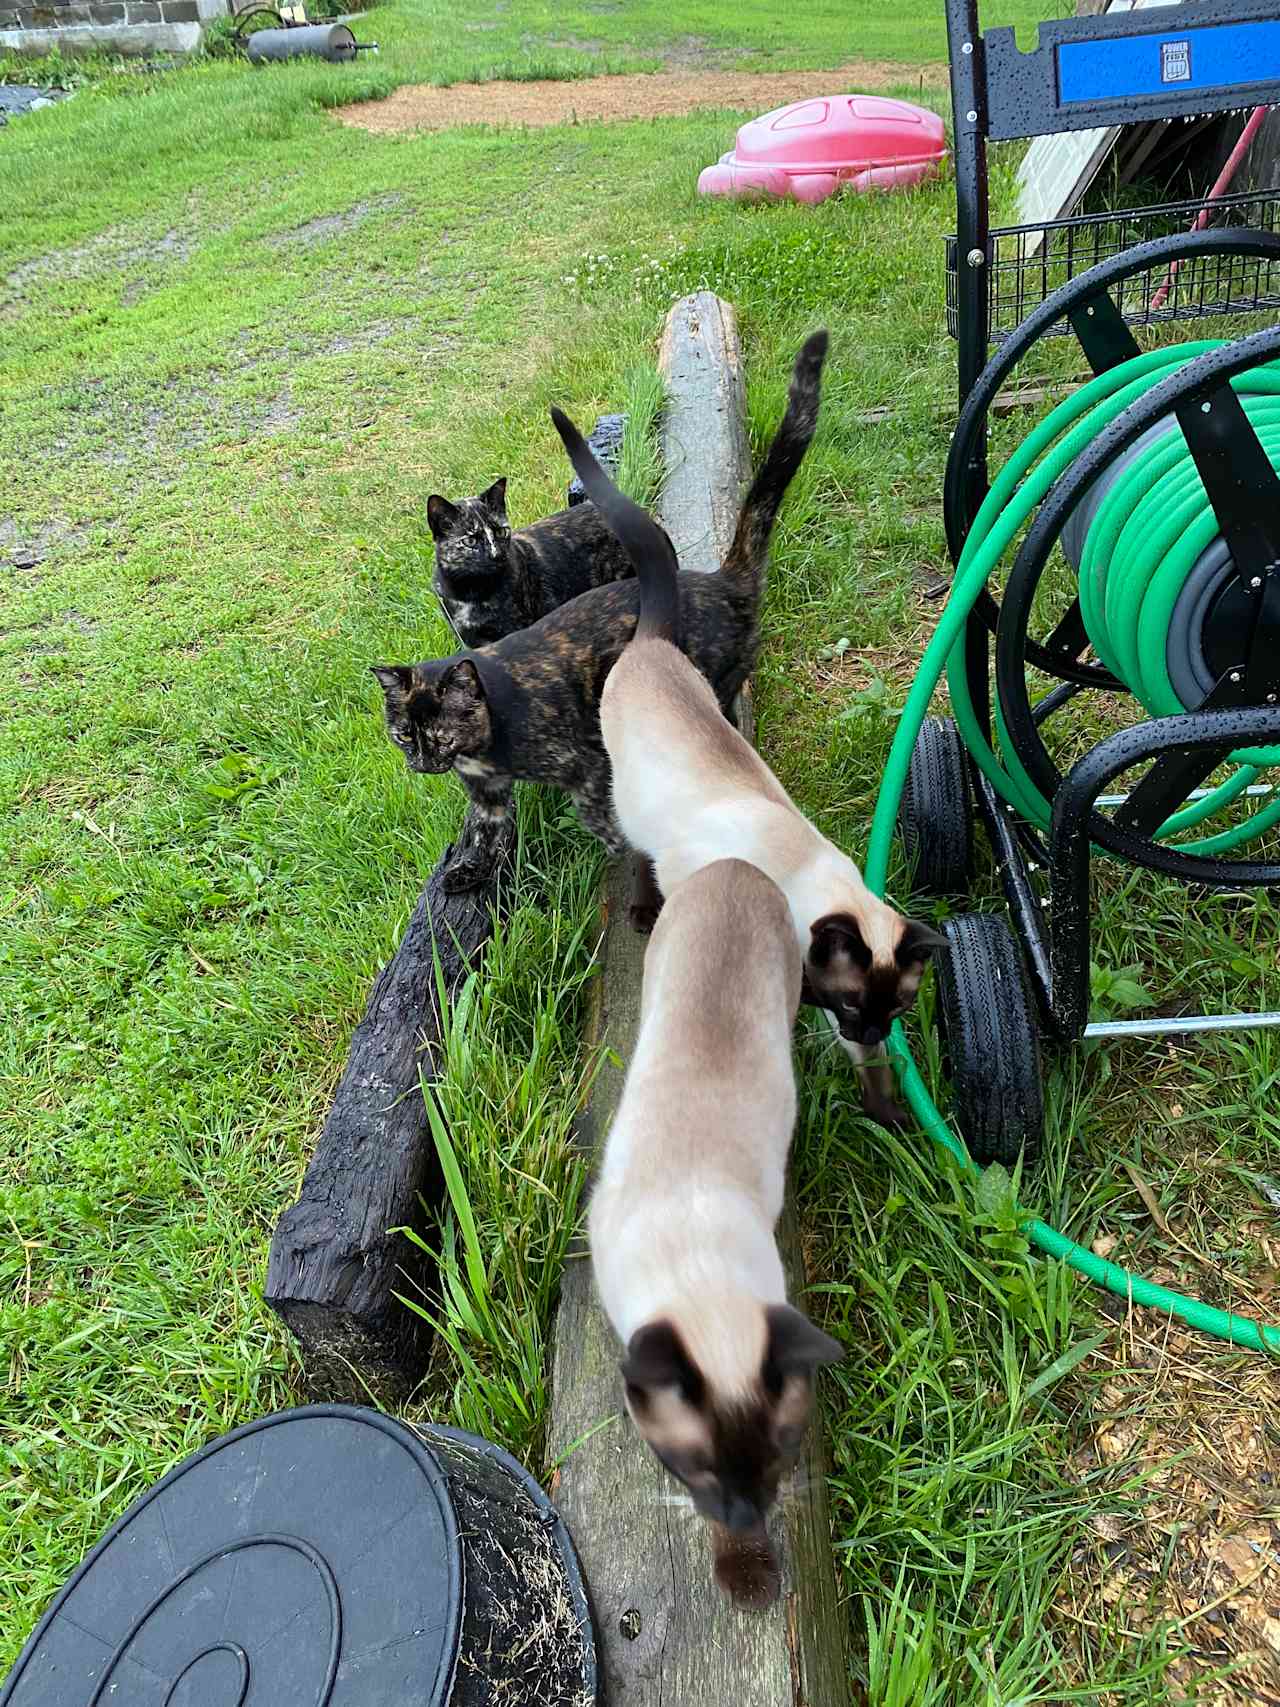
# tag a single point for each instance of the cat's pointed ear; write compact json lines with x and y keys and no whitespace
{"x":395,"y":679}
{"x":795,"y":1346}
{"x":837,"y":933}
{"x":656,"y":1357}
{"x":495,"y":496}
{"x":919,"y":942}
{"x":442,"y":516}
{"x":461,"y":682}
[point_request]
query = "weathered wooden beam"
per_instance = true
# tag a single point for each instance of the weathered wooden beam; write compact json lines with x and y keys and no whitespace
{"x":336,"y":1263}
{"x":666,"y":1632}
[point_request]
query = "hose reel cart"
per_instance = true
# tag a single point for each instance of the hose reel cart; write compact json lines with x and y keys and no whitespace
{"x":1159,"y":480}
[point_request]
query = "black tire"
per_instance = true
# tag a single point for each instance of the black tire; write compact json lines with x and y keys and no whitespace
{"x":990,"y":1039}
{"x":936,"y":813}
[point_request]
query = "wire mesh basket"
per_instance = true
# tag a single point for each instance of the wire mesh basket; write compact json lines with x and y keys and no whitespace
{"x":1026,"y":262}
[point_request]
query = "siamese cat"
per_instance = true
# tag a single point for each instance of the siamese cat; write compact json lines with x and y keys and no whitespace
{"x":689,"y":789}
{"x":718,"y":1366}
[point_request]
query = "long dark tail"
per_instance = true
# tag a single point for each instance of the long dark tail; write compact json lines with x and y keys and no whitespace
{"x":644,"y":542}
{"x":745,"y":561}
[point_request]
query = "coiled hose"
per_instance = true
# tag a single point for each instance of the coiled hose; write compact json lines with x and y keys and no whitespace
{"x":1148,"y":531}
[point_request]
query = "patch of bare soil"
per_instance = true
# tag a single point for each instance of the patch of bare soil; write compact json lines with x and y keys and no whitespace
{"x":1201,"y":1550}
{"x":332,"y":225}
{"x":655,"y":95}
{"x":118,"y":248}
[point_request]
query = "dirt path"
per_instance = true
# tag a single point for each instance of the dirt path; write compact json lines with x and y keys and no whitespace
{"x":663,"y":94}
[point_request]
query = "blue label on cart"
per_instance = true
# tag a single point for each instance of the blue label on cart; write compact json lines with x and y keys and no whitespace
{"x":1217,"y":57}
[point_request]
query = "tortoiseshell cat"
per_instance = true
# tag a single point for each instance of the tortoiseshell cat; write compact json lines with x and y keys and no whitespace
{"x":493,"y":579}
{"x":527,"y":708}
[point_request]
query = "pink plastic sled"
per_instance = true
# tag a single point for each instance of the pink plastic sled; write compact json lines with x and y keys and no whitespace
{"x":811,"y":149}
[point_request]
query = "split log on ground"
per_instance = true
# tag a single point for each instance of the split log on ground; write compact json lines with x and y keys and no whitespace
{"x":1005,"y":402}
{"x":667,"y":1633}
{"x":336,"y":1262}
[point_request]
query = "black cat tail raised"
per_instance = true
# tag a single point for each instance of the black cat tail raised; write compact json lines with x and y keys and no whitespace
{"x":644,"y":542}
{"x":746,"y":557}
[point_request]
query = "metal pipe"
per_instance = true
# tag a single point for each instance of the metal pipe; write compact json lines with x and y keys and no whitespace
{"x":1019,"y":892}
{"x":1196,"y":794}
{"x":969,"y":113}
{"x":1179,"y":1027}
{"x":324,"y":41}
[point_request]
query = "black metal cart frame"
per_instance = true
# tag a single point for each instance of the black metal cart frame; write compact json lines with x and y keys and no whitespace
{"x":1088,"y":276}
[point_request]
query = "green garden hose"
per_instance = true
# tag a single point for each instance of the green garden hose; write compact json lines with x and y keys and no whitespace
{"x":1149,"y":530}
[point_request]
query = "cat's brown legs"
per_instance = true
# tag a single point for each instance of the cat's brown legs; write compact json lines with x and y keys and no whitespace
{"x":875,"y":1074}
{"x":746,"y":1567}
{"x":646,"y":897}
{"x":487,"y":833}
{"x":594,"y":800}
{"x":879,"y":1086}
{"x":879,"y":1092}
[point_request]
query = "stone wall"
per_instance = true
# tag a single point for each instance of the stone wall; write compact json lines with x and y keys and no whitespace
{"x":105,"y":26}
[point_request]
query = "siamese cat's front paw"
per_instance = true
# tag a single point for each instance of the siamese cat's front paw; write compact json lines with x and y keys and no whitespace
{"x":643,"y":917}
{"x":746,"y":1568}
{"x":879,"y":1087}
{"x":646,"y":897}
{"x":885,"y":1111}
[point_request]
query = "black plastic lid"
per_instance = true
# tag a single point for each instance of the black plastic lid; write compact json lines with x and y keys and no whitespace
{"x":310,"y":1559}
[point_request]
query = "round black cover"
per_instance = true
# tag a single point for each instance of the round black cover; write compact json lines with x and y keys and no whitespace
{"x":527,"y":1633}
{"x":310,"y":1559}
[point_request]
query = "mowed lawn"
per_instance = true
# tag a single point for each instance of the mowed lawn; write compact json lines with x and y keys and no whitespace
{"x":242,"y":343}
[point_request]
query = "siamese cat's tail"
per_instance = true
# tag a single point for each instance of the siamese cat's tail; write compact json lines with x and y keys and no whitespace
{"x":745,"y":561}
{"x":644,"y":542}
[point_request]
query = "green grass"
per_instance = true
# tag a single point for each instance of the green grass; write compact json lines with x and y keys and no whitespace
{"x":513,"y":1082}
{"x":242,"y":345}
{"x":431,"y":41}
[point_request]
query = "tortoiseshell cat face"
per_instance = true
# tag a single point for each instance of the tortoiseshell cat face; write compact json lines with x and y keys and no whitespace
{"x":473,"y":564}
{"x":437,"y":713}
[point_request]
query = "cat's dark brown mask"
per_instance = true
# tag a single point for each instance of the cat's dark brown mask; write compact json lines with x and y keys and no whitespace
{"x":730,"y":1456}
{"x":437,"y":713}
{"x":865,"y":995}
{"x":473,"y":546}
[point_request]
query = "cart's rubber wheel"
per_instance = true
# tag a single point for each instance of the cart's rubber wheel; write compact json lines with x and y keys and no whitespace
{"x":990,"y":1039}
{"x":936,"y":814}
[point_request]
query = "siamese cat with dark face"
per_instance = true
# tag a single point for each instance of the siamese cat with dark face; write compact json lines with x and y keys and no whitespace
{"x":718,"y":1366}
{"x":527,"y":708}
{"x":689,"y":789}
{"x":493,"y":579}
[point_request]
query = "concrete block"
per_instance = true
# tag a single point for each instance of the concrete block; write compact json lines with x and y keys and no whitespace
{"x":123,"y":38}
